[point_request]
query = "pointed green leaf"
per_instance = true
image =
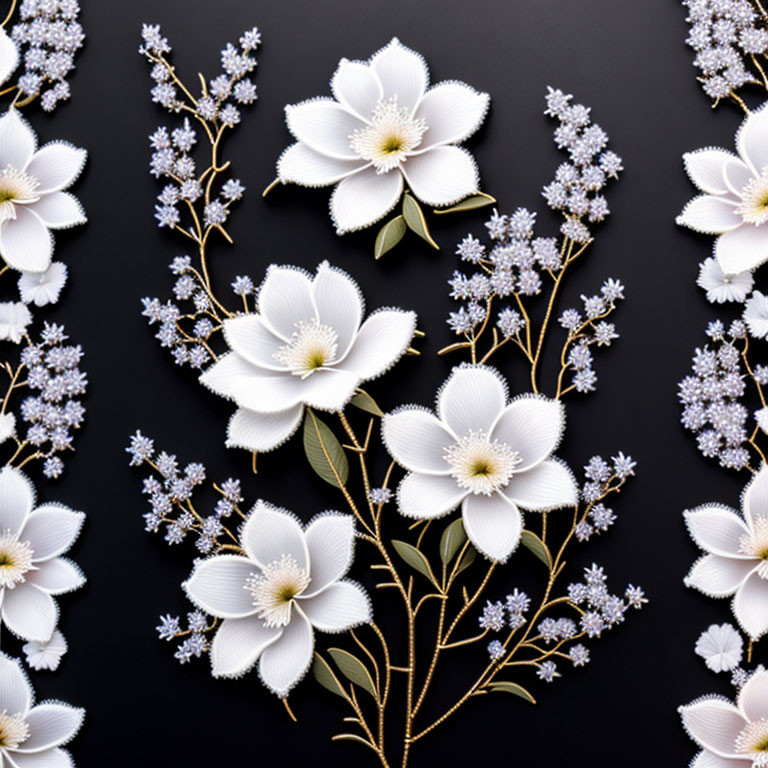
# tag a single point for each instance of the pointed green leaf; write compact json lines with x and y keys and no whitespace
{"x":353,"y":669}
{"x":513,"y":688}
{"x":324,"y":451}
{"x":415,"y":558}
{"x":537,"y":546}
{"x":324,"y":675}
{"x":467,"y":560}
{"x":480,"y":200}
{"x":414,"y":218}
{"x":452,"y":540}
{"x":389,"y":236}
{"x":365,"y":402}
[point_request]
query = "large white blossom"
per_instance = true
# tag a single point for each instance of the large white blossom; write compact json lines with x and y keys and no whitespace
{"x":31,"y":735}
{"x":32,"y":200}
{"x":32,"y":571}
{"x":731,"y":735}
{"x":289,"y":583}
{"x":488,"y":455}
{"x":736,"y":559}
{"x":735,"y":200}
{"x":307,"y":345}
{"x":385,"y":129}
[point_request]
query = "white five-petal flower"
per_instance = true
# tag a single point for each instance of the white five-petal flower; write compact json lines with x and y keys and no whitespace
{"x":32,"y":200}
{"x":736,"y":559}
{"x":46,"y":655}
{"x":305,"y":346}
{"x":384,"y":129}
{"x":32,"y":570}
{"x":721,"y":287}
{"x":31,"y":735}
{"x":483,"y":453}
{"x":41,"y":288}
{"x":731,"y":735}
{"x":735,"y":200}
{"x":721,"y":647}
{"x":289,"y":583}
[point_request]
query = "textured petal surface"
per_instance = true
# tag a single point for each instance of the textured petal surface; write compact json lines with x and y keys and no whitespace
{"x":706,"y":167}
{"x":285,"y":299}
{"x":711,"y":760}
{"x":719,"y":576}
{"x":238,"y":643}
{"x":56,"y":166}
{"x":417,"y":440}
{"x":300,"y":164}
{"x":339,"y":304}
{"x":269,"y":533}
{"x":549,"y":485}
{"x":362,"y":199}
{"x":718,"y":530}
{"x":50,"y":725}
{"x":471,"y":399}
{"x":59,"y":210}
{"x":532,"y":426}
{"x":442,"y":175}
{"x":342,"y":606}
{"x":15,"y":691}
{"x":357,"y":87}
{"x":453,"y":111}
{"x":29,"y":612}
{"x":756,"y":497}
{"x":285,"y":662}
{"x":714,"y":724}
{"x":750,"y":604}
{"x":752,"y":139}
{"x":753,"y":697}
{"x":217,"y":585}
{"x":323,"y":125}
{"x":57,"y":576}
{"x":428,"y":496}
{"x":330,"y":541}
{"x":25,"y":242}
{"x":493,"y":524}
{"x":742,"y":249}
{"x":710,"y":215}
{"x":53,"y":758}
{"x":403,"y":73}
{"x":9,"y":56}
{"x":51,"y":530}
{"x":262,"y":432}
{"x":17,"y":141}
{"x":17,"y":497}
{"x":253,"y":340}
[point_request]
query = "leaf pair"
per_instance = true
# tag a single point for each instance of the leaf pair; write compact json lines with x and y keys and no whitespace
{"x":349,"y":666}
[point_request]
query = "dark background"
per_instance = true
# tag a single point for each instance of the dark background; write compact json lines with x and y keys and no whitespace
{"x":629,"y":63}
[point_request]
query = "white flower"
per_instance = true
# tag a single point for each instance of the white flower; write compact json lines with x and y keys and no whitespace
{"x":31,"y":198}
{"x":736,"y":562}
{"x":31,"y":569}
{"x":490,"y":456}
{"x":41,"y":288}
{"x":7,"y":426}
{"x":721,"y":287}
{"x":385,"y":129}
{"x":761,"y":417}
{"x":721,"y":647}
{"x":14,"y":319}
{"x":306,"y":345}
{"x":9,"y":56}
{"x":31,"y":735}
{"x":731,"y":735}
{"x":46,"y":655}
{"x":288,"y":582}
{"x":735,"y":200}
{"x":756,"y":315}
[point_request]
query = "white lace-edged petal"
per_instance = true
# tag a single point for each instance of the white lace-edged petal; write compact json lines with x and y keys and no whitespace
{"x":51,"y":530}
{"x":56,"y":166}
{"x":59,"y":210}
{"x":402,"y":72}
{"x":15,"y":690}
{"x":285,"y":662}
{"x":442,"y":175}
{"x":269,"y":533}
{"x":357,"y":87}
{"x":300,"y":164}
{"x":17,"y":497}
{"x":57,"y":576}
{"x":549,"y":485}
{"x":493,"y":525}
{"x":29,"y":612}
{"x":755,"y":501}
{"x":710,"y":215}
{"x":339,"y":304}
{"x":52,"y":758}
{"x":285,"y":299}
{"x":742,"y":249}
{"x":324,"y":126}
{"x":238,"y":643}
{"x":9,"y":56}
{"x":425,"y":497}
{"x":706,"y":169}
{"x":718,"y":576}
{"x":254,"y":341}
{"x":25,"y":242}
{"x":417,"y":440}
{"x":364,"y":198}
{"x":471,"y":398}
{"x":713,"y":724}
{"x":17,"y":141}
{"x":217,"y":585}
{"x":718,"y":530}
{"x":750,"y":604}
{"x":262,"y":432}
{"x":340,"y":607}
{"x":453,"y":111}
{"x":753,"y":696}
{"x":50,"y":725}
{"x":710,"y":760}
{"x":751,"y":141}
{"x":330,"y":541}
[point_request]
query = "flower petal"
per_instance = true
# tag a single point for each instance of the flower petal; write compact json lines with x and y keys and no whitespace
{"x":9,"y":55}
{"x":549,"y":485}
{"x":25,"y":242}
{"x":453,"y":111}
{"x":532,"y":426}
{"x":29,"y":612}
{"x":57,"y":576}
{"x":493,"y":524}
{"x":710,"y":215}
{"x":330,"y":541}
{"x":217,"y":585}
{"x":362,"y":199}
{"x":471,"y":399}
{"x":718,"y":530}
{"x":357,"y":87}
{"x":262,"y":432}
{"x":51,"y":530}
{"x":750,"y":604}
{"x":737,"y":175}
{"x":417,"y":440}
{"x":269,"y":533}
{"x":325,"y":126}
{"x":59,"y":210}
{"x":17,"y":497}
{"x":238,"y":643}
{"x":753,"y":697}
{"x":56,"y":166}
{"x":756,"y":497}
{"x":403,"y":73}
{"x":51,"y":724}
{"x":17,"y":141}
{"x":718,"y":576}
{"x":381,"y":342}
{"x":752,"y":139}
{"x":285,"y":662}
{"x":339,"y":304}
{"x":252,"y":339}
{"x":15,"y":691}
{"x":442,"y":175}
{"x":706,"y":169}
{"x":713,"y":724}
{"x":329,"y":390}
{"x":341,"y":606}
{"x":299,"y":164}
{"x":742,"y":249}
{"x":53,"y":758}
{"x":710,"y":760}
{"x":428,"y":496}
{"x":285,"y":299}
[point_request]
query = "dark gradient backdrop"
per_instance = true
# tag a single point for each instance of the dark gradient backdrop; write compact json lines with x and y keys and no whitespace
{"x":625,"y":59}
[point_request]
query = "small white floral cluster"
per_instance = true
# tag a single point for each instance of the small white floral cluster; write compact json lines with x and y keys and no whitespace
{"x":730,"y":39}
{"x":48,"y":35}
{"x":602,"y":478}
{"x":722,"y":648}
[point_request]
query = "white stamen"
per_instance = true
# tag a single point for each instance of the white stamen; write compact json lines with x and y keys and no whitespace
{"x":753,"y":207}
{"x":753,"y":741}
{"x":14,"y":730}
{"x":312,"y":346}
{"x":16,"y":187}
{"x":15,"y":560}
{"x":481,"y":465}
{"x":275,"y":588}
{"x":392,"y":134}
{"x":756,"y":544}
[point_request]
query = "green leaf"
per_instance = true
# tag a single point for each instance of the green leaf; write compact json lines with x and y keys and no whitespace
{"x":480,"y":200}
{"x":353,"y":669}
{"x":415,"y":558}
{"x":324,"y":675}
{"x":513,"y":688}
{"x":389,"y":236}
{"x":537,"y":546}
{"x":414,"y":218}
{"x":324,"y":451}
{"x":452,"y":540}
{"x":365,"y":402}
{"x":467,"y":560}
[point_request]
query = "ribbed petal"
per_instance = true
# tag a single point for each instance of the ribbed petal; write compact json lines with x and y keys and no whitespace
{"x":753,"y":697}
{"x":718,"y":530}
{"x":217,"y":585}
{"x":339,"y":304}
{"x":442,"y":175}
{"x":330,"y":540}
{"x":356,"y":86}
{"x":52,"y":758}
{"x":300,"y":164}
{"x":285,"y":299}
{"x":719,"y":576}
{"x":56,"y":166}
{"x":29,"y":612}
{"x":17,"y":141}
{"x":549,"y":485}
{"x":742,"y":249}
{"x":471,"y":399}
{"x":417,"y":440}
{"x":750,"y":604}
{"x":25,"y":242}
{"x":262,"y":432}
{"x":756,"y":497}
{"x":253,"y":340}
{"x":15,"y":690}
{"x":57,"y":576}
{"x":428,"y":496}
{"x":238,"y":643}
{"x":341,"y":606}
{"x":269,"y":533}
{"x":325,"y":126}
{"x":453,"y":111}
{"x":710,"y":215}
{"x":493,"y":524}
{"x":51,"y":530}
{"x":364,"y":198}
{"x":51,"y":724}
{"x":285,"y":662}
{"x":403,"y":73}
{"x":706,"y":167}
{"x":713,"y":724}
{"x":752,"y":139}
{"x":59,"y":210}
{"x":17,"y":497}
{"x":9,"y":56}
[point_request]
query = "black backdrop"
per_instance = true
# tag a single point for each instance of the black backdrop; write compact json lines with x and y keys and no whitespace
{"x":626,"y":60}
